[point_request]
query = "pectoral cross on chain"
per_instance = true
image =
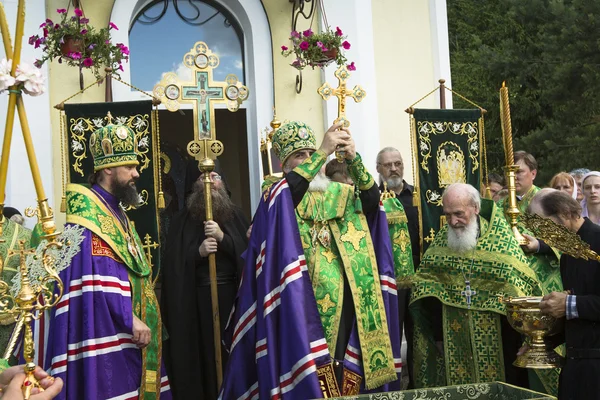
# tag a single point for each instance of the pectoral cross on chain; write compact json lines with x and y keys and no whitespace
{"x":468,"y":293}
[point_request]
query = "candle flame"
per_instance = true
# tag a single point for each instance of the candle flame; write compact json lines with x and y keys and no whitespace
{"x":503,"y":84}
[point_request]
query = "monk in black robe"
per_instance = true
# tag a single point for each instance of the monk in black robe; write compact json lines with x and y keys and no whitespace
{"x":186,"y":299}
{"x":580,"y":303}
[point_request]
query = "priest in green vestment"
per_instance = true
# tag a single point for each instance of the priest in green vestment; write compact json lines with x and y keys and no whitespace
{"x":12,"y":235}
{"x":473,"y":261}
{"x":546,"y":266}
{"x":339,"y":252}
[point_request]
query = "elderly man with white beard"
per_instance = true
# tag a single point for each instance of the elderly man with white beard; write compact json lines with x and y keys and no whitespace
{"x":473,"y":260}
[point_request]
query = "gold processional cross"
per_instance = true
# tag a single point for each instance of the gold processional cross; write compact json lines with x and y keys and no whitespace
{"x":203,"y":94}
{"x":341,"y":92}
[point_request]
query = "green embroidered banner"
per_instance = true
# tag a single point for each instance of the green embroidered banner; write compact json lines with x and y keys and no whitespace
{"x":447,"y":149}
{"x":80,"y":120}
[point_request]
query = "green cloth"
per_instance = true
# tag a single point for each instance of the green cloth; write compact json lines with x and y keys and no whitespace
{"x":337,"y":244}
{"x":401,"y":247}
{"x":547,"y":269}
{"x":472,"y":339}
{"x":84,"y":208}
{"x":12,"y":234}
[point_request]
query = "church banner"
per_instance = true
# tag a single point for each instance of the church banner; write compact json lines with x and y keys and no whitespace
{"x":446,"y":149}
{"x":80,"y":120}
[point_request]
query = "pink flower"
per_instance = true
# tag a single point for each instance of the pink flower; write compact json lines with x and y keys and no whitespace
{"x":32,"y":39}
{"x":120,"y":67}
{"x":78,"y":12}
{"x":37,"y":43}
{"x":75,"y":55}
{"x":284,"y":48}
{"x":307,"y":33}
{"x":43,"y":25}
{"x":113,"y":26}
{"x":320,"y":45}
{"x":304,"y":45}
{"x":338,"y":31}
{"x":45,"y":32}
{"x":346,"y":45}
{"x":123,"y":48}
{"x":61,"y":10}
{"x":351,"y":66}
{"x":84,"y":31}
{"x":88,"y":62}
{"x":84,"y":20}
{"x":295,"y":34}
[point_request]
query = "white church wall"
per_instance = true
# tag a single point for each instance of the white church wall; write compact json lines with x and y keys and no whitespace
{"x":20,"y":191}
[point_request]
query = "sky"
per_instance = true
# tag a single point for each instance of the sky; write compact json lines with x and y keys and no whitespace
{"x":160,"y":47}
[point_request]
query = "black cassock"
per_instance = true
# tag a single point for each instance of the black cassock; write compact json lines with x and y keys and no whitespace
{"x":186,"y":302}
{"x":580,"y":377}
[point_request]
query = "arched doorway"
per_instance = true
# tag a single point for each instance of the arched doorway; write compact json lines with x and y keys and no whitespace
{"x":239,"y":29}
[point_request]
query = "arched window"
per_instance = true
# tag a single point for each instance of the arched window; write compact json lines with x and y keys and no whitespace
{"x":162,"y":31}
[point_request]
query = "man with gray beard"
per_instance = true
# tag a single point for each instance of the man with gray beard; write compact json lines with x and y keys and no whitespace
{"x":186,"y":300}
{"x":459,"y":322}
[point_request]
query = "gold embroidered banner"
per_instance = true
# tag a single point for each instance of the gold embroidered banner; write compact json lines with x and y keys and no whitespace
{"x":447,"y":148}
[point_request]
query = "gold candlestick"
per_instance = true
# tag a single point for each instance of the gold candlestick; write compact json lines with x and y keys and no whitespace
{"x":510,"y":169}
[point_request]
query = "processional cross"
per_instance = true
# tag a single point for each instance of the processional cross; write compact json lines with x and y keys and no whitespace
{"x":341,"y":92}
{"x":204,"y":93}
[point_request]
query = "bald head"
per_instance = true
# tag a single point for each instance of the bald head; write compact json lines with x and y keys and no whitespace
{"x":390,"y":167}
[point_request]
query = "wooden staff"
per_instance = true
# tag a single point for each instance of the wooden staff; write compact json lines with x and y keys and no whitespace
{"x":207,"y":165}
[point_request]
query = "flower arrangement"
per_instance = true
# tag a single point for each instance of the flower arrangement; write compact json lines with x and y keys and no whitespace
{"x":318,"y":49}
{"x":28,"y":78}
{"x":75,"y":42}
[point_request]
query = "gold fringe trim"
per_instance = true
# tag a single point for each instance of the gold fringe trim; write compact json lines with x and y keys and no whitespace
{"x":374,"y":383}
{"x":392,"y":218}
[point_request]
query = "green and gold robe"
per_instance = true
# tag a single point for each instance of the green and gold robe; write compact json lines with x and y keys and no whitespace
{"x":401,"y":247}
{"x":337,"y":246}
{"x":497,"y":267}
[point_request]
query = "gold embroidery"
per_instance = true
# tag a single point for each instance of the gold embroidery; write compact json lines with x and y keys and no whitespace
{"x":107,"y":224}
{"x":329,"y":255}
{"x":353,"y":236}
{"x":150,"y":381}
{"x":327,"y":381}
{"x":455,"y":326}
{"x":326,"y":303}
{"x":451,"y":164}
{"x":403,"y":240}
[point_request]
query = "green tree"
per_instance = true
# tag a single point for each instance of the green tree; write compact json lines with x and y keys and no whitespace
{"x":548,"y":52}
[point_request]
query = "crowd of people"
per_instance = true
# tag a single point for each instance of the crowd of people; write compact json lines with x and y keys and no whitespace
{"x":316,"y":293}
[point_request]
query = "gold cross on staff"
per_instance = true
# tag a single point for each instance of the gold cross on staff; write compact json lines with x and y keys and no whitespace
{"x":203,"y":93}
{"x":205,"y":148}
{"x":148,"y":246}
{"x":341,"y":92}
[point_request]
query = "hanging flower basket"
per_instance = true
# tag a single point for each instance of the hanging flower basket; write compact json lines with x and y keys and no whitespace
{"x":75,"y":42}
{"x":71,"y":45}
{"x":317,"y":49}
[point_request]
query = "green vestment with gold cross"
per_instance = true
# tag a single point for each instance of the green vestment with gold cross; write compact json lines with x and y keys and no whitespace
{"x":472,"y":350}
{"x":85,"y":208}
{"x":337,"y":245}
{"x":12,"y":234}
{"x":547,"y":269}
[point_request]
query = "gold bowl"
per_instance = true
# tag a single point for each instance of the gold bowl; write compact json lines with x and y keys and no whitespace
{"x":525,"y":316}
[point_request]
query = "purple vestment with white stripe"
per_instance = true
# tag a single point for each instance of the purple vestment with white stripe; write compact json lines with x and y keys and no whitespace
{"x":90,"y":331}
